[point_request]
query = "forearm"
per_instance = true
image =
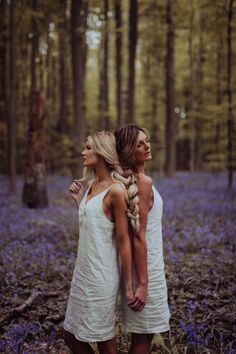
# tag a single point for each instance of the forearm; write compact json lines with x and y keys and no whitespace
{"x":126,"y":263}
{"x":140,"y":260}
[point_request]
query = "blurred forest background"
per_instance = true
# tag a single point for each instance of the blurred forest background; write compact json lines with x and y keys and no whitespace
{"x":70,"y":67}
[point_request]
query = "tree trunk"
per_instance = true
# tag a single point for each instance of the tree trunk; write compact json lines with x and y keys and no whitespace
{"x":12,"y":104}
{"x":79,"y":12}
{"x":170,"y":114}
{"x":104,"y":72}
{"x":133,"y":19}
{"x":219,"y":50}
{"x":35,"y":48}
{"x":118,"y":19}
{"x":34,"y":191}
{"x":62,"y":63}
{"x":190,"y":96}
{"x":4,"y":89}
{"x":229,"y":95}
{"x":200,"y":95}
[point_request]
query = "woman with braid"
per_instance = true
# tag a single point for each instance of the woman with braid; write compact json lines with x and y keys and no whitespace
{"x":103,"y":233}
{"x":148,"y":312}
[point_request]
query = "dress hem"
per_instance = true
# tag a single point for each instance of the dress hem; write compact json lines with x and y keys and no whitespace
{"x":72,"y":331}
{"x":148,"y":331}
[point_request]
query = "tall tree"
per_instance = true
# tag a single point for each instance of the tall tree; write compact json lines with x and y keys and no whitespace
{"x":12,"y":103}
{"x":62,"y":66}
{"x":229,"y":93}
{"x":34,"y":191}
{"x":4,"y":89}
{"x":133,"y":21}
{"x":199,"y":93}
{"x":79,"y":13}
{"x":35,"y":46}
{"x":118,"y":56}
{"x":104,"y":105}
{"x":170,"y":114}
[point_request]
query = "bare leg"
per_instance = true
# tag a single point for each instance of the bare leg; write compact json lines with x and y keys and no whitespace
{"x":141,"y":343}
{"x":75,"y":345}
{"x":108,"y":346}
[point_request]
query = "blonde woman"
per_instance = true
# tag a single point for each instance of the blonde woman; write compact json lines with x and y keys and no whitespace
{"x":103,"y":233}
{"x":148,"y":312}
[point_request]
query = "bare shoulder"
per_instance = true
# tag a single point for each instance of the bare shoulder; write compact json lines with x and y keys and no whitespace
{"x":117,"y":190}
{"x":144,"y":182}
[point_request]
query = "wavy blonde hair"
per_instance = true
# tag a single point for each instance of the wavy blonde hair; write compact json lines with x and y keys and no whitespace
{"x":126,"y":144}
{"x":104,"y":144}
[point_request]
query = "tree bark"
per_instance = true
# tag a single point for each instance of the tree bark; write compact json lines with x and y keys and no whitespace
{"x":35,"y":48}
{"x":200,"y":95}
{"x":12,"y":104}
{"x":133,"y":20}
{"x":170,"y":114}
{"x":79,"y":12}
{"x":4,"y":71}
{"x":218,"y":126}
{"x":34,"y":191}
{"x":190,"y":96}
{"x":118,"y":24}
{"x":104,"y":72}
{"x":62,"y":68}
{"x":229,"y":94}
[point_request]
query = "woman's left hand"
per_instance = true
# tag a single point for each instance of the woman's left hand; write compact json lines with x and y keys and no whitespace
{"x":129,"y":295}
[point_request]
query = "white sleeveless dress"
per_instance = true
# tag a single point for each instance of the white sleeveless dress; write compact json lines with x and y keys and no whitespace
{"x":154,"y":318}
{"x":91,"y":309}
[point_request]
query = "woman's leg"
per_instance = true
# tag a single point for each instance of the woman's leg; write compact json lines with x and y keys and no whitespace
{"x":108,"y":346}
{"x":75,"y":345}
{"x":140,"y":343}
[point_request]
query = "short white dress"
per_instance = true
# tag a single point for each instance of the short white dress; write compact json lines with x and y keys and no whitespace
{"x":154,"y":318}
{"x":91,"y":309}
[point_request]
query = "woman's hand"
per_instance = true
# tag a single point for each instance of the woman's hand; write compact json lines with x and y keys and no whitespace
{"x":129,"y":295}
{"x":140,"y":298}
{"x":76,"y":191}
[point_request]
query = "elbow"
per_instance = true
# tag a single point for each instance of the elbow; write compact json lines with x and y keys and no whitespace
{"x":139,"y":237}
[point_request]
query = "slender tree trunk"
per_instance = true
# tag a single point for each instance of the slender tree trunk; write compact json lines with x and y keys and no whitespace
{"x":118,"y":19}
{"x":34,"y":191}
{"x":170,"y":114}
{"x":229,"y":94}
{"x":218,"y":99}
{"x":4,"y":73}
{"x":79,"y":12}
{"x":133,"y":19}
{"x":35,"y":48}
{"x":62,"y":52}
{"x":12,"y":104}
{"x":190,"y":102}
{"x":104,"y":72}
{"x":200,"y":94}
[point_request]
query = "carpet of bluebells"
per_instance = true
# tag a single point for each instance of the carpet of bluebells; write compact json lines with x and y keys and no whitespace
{"x":38,"y":250}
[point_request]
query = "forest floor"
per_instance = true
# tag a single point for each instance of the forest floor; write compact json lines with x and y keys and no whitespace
{"x":38,"y":250}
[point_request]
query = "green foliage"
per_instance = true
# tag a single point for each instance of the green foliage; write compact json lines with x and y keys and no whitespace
{"x":200,"y":90}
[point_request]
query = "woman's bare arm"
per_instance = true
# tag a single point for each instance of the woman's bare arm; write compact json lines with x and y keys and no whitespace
{"x":119,"y":207}
{"x":140,"y":244}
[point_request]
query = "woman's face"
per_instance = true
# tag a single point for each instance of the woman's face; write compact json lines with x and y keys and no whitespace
{"x":90,"y":158}
{"x":143,"y":149}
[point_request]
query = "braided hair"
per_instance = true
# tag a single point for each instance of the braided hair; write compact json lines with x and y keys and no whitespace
{"x":126,"y":143}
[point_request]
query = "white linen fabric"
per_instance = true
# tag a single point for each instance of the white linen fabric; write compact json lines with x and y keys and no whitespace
{"x":154,"y":318}
{"x":91,"y":309}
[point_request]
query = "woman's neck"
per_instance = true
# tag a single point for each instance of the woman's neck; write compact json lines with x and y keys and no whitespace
{"x":102,"y":173}
{"x":140,"y":168}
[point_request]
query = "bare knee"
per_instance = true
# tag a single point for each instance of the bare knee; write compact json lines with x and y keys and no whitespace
{"x":141,"y":343}
{"x":108,"y":347}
